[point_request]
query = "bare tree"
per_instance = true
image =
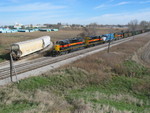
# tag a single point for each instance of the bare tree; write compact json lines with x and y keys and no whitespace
{"x":85,"y":32}
{"x":144,"y":25}
{"x":89,"y":30}
{"x":93,"y":28}
{"x":133,"y":25}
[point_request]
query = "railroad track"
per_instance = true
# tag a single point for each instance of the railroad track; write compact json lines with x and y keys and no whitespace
{"x":44,"y":61}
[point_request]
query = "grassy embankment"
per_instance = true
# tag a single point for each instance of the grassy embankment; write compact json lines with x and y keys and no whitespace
{"x":104,"y":82}
{"x":74,"y":89}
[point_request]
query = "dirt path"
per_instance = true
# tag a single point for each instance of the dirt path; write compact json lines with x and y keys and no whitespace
{"x":143,"y":55}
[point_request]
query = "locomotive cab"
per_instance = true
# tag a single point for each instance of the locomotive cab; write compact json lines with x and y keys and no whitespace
{"x":62,"y":44}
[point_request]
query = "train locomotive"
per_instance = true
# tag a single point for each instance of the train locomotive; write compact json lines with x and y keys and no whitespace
{"x":67,"y":45}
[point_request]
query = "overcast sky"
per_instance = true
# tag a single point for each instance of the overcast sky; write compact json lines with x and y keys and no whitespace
{"x":73,"y":11}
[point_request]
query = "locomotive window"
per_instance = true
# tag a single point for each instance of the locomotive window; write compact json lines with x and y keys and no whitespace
{"x":64,"y":42}
{"x":74,"y":41}
{"x":59,"y":42}
{"x":94,"y":37}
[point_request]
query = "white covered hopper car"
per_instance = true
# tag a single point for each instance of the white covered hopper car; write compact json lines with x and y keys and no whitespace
{"x":24,"y":48}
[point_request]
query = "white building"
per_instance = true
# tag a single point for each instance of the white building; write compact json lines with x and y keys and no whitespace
{"x":17,"y":26}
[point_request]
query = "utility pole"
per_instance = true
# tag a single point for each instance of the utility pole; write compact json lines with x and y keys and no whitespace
{"x":110,"y":39}
{"x":108,"y":46}
{"x":12,"y":67}
{"x":11,"y":74}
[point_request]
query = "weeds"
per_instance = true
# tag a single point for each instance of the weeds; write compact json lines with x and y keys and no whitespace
{"x":69,"y":78}
{"x":74,"y":89}
{"x":117,"y":93}
{"x":17,"y":106}
{"x":135,"y":70}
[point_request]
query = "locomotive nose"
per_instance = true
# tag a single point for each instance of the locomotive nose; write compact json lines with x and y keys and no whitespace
{"x":57,"y":47}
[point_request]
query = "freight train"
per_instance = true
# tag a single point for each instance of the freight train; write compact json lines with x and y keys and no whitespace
{"x":60,"y":47}
{"x":68,"y":45}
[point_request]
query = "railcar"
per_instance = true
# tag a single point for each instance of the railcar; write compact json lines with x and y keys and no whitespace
{"x":68,"y":45}
{"x":93,"y":40}
{"x":147,"y":30}
{"x":127,"y":34}
{"x":136,"y":32}
{"x":108,"y":37}
{"x":130,"y":34}
{"x":24,"y":48}
{"x":118,"y":35}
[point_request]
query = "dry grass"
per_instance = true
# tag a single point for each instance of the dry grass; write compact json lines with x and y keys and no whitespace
{"x":92,"y":65}
{"x":11,"y":94}
{"x":48,"y":102}
{"x":142,"y":56}
{"x":102,"y":62}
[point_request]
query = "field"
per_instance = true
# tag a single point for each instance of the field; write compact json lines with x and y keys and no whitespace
{"x":7,"y":39}
{"x":115,"y":82}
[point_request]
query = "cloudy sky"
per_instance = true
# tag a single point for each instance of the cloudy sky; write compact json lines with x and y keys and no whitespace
{"x":73,"y":11}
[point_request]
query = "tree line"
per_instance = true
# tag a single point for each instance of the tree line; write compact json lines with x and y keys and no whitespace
{"x":135,"y":25}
